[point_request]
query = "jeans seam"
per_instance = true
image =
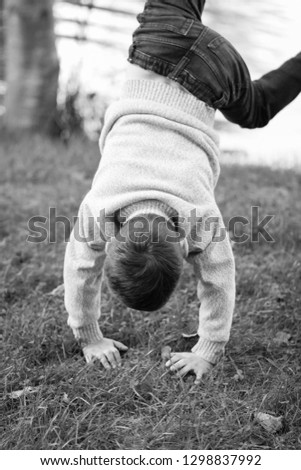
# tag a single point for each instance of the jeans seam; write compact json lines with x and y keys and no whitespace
{"x":142,"y":56}
{"x":179,"y":67}
{"x":148,"y":38}
{"x":183,"y":30}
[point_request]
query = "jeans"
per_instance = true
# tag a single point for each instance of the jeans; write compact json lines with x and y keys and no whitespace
{"x":172,"y":41}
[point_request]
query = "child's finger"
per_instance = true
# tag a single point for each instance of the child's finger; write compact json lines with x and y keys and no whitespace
{"x":198,"y":379}
{"x":105,"y":362}
{"x":111,"y":359}
{"x":175,"y":357}
{"x":178,"y":365}
{"x":117,"y":357}
{"x":120,"y":346}
{"x":89,"y":358}
{"x":183,"y":371}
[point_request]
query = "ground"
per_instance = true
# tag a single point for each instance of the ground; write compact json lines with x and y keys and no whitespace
{"x":72,"y":405}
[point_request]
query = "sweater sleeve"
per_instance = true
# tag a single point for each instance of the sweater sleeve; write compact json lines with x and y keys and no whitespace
{"x":215,"y":270}
{"x":84,"y":258}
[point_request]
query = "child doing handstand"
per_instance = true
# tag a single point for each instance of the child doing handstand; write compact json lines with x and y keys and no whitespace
{"x":151,"y":204}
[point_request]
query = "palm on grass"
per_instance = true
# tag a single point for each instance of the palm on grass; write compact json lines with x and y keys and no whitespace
{"x":106,"y":351}
{"x":185,"y":362}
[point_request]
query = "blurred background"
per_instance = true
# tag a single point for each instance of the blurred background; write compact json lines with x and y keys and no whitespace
{"x":62,"y":62}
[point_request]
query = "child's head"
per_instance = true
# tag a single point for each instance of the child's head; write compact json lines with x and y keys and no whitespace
{"x":144,"y":262}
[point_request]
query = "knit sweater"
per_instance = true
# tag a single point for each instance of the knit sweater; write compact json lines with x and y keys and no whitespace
{"x":159,"y":153}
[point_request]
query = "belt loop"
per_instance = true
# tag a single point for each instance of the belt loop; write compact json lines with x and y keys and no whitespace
{"x":186,"y":26}
{"x":179,"y":68}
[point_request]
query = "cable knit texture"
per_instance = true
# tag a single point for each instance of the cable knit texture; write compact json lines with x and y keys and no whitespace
{"x":159,"y":152}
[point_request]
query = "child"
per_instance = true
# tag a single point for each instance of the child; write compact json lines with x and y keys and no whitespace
{"x":152,"y":202}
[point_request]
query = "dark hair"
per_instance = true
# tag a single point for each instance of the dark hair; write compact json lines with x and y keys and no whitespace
{"x":142,"y":267}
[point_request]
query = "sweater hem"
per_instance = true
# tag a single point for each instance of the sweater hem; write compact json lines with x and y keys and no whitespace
{"x":209,"y":350}
{"x":170,"y":96}
{"x":88,"y":334}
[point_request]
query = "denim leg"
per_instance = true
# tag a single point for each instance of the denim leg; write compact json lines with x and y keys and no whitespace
{"x":260,"y":100}
{"x":181,"y":8}
{"x":282,"y":86}
{"x":173,"y":42}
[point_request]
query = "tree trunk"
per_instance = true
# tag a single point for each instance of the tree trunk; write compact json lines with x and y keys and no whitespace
{"x":1,"y":63}
{"x":1,"y":41}
{"x":31,"y":65}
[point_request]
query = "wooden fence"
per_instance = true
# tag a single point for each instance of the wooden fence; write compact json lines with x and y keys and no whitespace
{"x":97,"y":5}
{"x":119,"y":14}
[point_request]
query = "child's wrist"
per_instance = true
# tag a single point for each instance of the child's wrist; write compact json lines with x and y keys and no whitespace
{"x":208,"y":350}
{"x":88,"y":334}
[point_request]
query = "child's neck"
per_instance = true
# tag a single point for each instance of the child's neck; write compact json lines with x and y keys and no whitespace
{"x":150,"y":206}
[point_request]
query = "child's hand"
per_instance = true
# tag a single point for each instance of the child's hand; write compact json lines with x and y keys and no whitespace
{"x":106,"y":350}
{"x":183,"y":363}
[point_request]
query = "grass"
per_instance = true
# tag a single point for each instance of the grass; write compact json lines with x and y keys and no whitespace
{"x":76,"y":406}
